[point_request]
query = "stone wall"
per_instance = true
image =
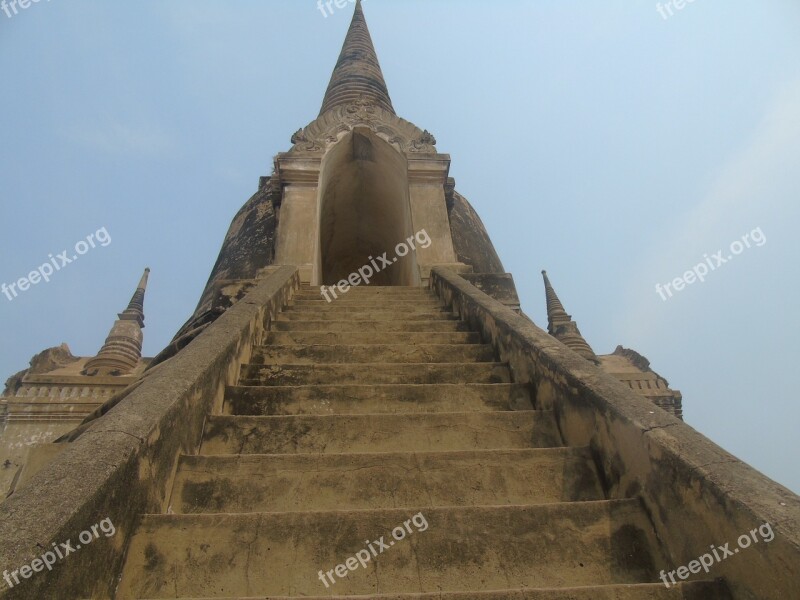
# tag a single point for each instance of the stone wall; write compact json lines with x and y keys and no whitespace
{"x":695,"y":493}
{"x":121,"y":466}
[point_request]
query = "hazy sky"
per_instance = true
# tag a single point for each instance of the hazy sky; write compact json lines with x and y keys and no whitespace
{"x":599,"y":140}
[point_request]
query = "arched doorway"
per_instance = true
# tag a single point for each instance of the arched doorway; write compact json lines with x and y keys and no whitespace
{"x":364,"y":211}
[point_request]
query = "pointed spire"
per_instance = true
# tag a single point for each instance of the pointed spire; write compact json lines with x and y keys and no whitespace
{"x":122,"y":350}
{"x":556,"y":315}
{"x":135,"y":310}
{"x":358,"y":72}
{"x":561,"y":326}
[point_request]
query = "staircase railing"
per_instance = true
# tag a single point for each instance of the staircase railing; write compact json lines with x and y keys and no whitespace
{"x":122,"y":465}
{"x":696,"y":493}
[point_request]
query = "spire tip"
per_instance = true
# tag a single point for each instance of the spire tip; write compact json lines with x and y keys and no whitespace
{"x":357,"y":74}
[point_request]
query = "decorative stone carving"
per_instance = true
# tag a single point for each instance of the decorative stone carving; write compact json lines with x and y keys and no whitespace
{"x":425,"y":143}
{"x":329,"y":128}
{"x":301,"y":141}
{"x":362,"y":109}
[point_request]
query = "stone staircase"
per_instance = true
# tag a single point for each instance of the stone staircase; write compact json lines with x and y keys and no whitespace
{"x":379,"y":411}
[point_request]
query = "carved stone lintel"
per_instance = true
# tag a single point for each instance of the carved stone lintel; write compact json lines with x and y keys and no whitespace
{"x":329,"y":128}
{"x":362,"y":110}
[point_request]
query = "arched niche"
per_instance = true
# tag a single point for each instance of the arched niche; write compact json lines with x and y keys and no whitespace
{"x":364,"y":211}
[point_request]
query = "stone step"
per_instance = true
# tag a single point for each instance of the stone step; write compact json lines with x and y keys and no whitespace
{"x":364,"y":293}
{"x":372,"y":337}
{"x":372,"y":353}
{"x":356,"y":301}
{"x":375,"y":399}
{"x":341,"y":434}
{"x":370,"y":289}
{"x":425,"y":550}
{"x":374,"y":373}
{"x":282,"y":483}
{"x":416,"y":305}
{"x":363,"y":326}
{"x":364,"y":301}
{"x":694,"y":590}
{"x":369,"y":315}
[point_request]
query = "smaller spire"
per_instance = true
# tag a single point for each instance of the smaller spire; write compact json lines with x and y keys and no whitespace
{"x":555,"y":310}
{"x":135,"y":310}
{"x":122,"y":350}
{"x":561,"y":326}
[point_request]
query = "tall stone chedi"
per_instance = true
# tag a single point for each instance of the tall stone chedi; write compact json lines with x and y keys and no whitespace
{"x":415,"y":438}
{"x":357,"y":181}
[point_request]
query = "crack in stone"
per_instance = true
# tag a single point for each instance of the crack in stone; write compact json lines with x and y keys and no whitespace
{"x":649,"y":429}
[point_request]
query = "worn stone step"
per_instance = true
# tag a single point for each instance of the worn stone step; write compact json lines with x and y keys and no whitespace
{"x":340,"y":434}
{"x":372,"y":337}
{"x":361,"y":301}
{"x":372,"y":353}
{"x":416,"y":305}
{"x":282,"y":483}
{"x":375,"y":399}
{"x":693,"y":590}
{"x":362,"y":293}
{"x":358,"y":302}
{"x":371,"y":289}
{"x":363,"y":326}
{"x":374,"y":373}
{"x":370,"y":315}
{"x":447,"y":550}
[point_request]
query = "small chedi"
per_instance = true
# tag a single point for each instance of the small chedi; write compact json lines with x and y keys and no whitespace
{"x":628,"y":366}
{"x":59,"y":390}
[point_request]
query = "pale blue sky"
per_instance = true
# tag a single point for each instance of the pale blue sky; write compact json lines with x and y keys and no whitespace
{"x":596,"y":139}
